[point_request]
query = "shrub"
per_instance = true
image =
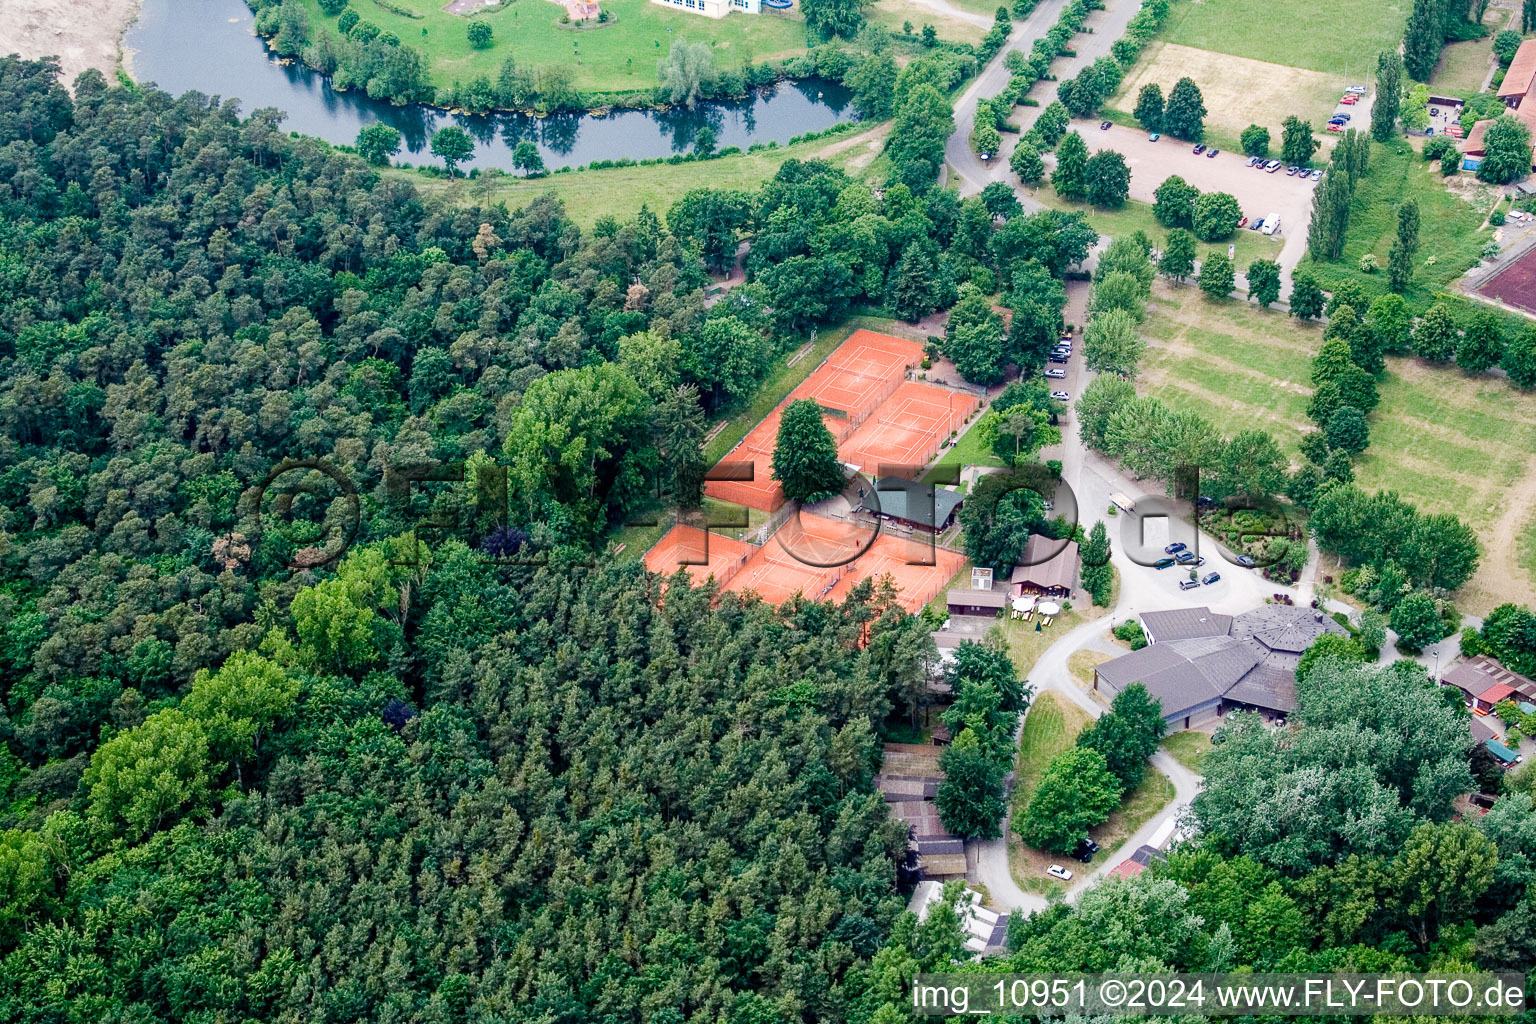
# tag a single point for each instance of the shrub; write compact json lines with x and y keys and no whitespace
{"x":479,"y":34}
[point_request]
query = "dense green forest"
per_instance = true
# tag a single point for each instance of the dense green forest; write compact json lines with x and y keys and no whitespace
{"x":244,"y":780}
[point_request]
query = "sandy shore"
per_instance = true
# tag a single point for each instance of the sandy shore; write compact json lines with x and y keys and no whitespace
{"x":81,"y":33}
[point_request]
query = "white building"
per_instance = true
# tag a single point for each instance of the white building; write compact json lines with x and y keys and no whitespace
{"x":713,"y":8}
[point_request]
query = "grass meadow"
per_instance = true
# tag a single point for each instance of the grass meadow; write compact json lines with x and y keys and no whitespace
{"x":621,"y":191}
{"x":617,"y":56}
{"x":1442,"y":440}
{"x":1339,"y":37}
{"x":1451,"y":231}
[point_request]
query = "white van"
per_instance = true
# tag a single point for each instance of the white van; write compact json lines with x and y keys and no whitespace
{"x":1271,"y":224}
{"x":1122,"y":502}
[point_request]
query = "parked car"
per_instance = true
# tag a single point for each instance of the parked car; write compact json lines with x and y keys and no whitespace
{"x":1256,"y":224}
{"x":1210,"y":577}
{"x":1205,"y":502}
{"x":1061,"y":396}
{"x":1188,"y":584}
{"x":1153,"y":137}
{"x":1358,"y":90}
{"x":1336,"y":128}
{"x":1316,"y":175}
{"x":1104,"y":125}
{"x":1349,"y":99}
{"x":1058,"y":357}
{"x":1085,"y":850}
{"x":1055,"y":374}
{"x":1210,"y":154}
{"x":1162,"y":563}
{"x":1272,"y":166}
{"x":1342,"y":115}
{"x":1057,"y":871}
{"x":1175,"y":548}
{"x":1290,"y":172}
{"x":1199,"y":148}
{"x":1254,"y":161}
{"x":1246,"y":561}
{"x":1243,"y":223}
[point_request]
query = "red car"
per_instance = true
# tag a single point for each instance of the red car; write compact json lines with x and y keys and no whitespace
{"x":1336,"y":128}
{"x":1243,"y":223}
{"x":1350,"y":100}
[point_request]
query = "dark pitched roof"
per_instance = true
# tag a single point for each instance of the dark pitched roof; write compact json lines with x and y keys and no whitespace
{"x":1198,"y":655}
{"x":978,"y":598}
{"x":1476,"y":675}
{"x":1048,"y":563}
{"x":1184,"y":624}
{"x":912,"y":501}
{"x":1481,"y":731}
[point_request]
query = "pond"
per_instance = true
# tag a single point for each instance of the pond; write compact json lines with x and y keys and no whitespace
{"x":210,"y":46}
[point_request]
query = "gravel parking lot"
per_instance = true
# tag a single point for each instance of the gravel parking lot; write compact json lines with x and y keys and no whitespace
{"x":1258,"y":193}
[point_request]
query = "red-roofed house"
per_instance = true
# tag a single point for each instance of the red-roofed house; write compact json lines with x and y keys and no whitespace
{"x":1127,"y":869}
{"x":1516,"y":90}
{"x":1484,"y":702}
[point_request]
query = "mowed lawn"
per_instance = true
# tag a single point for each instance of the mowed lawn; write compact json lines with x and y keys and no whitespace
{"x":1238,"y":366}
{"x":1464,"y":66}
{"x":1136,"y":216}
{"x":619,"y":56}
{"x":1451,"y":232}
{"x":621,"y":191}
{"x":1339,"y":37}
{"x":1238,"y":91}
{"x":1442,"y":440}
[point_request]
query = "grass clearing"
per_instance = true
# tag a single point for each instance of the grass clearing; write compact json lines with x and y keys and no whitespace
{"x":894,"y":14}
{"x":1526,"y":551}
{"x":1236,"y":365}
{"x":1442,"y":440}
{"x":1082,"y":663}
{"x":619,"y":56}
{"x":1052,"y":726}
{"x":621,"y":191}
{"x":1026,"y":644}
{"x":1189,"y":748}
{"x":1341,"y":37}
{"x":1451,"y":235}
{"x":1238,"y":90}
{"x":968,"y":450}
{"x":1137,"y":216}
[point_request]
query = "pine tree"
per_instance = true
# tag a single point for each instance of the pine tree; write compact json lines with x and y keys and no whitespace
{"x":1149,"y":107}
{"x":805,"y":454}
{"x":1528,"y":16}
{"x":1389,"y":95}
{"x":914,"y":287}
{"x":1070,"y":179}
{"x":1423,"y":38}
{"x":1184,"y":114}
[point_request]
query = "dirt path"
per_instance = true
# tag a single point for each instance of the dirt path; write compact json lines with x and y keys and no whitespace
{"x":81,"y":33}
{"x":1499,"y":576}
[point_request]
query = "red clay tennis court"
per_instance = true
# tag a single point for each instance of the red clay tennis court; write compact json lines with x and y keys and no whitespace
{"x":688,"y":546}
{"x":908,"y":428}
{"x":1515,"y":284}
{"x":857,"y":377}
{"x":893,"y":555}
{"x":776,"y":574}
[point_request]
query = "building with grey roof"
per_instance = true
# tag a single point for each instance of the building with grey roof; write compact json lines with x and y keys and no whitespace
{"x":1199,"y":665}
{"x":1049,"y":568}
{"x":918,"y":505}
